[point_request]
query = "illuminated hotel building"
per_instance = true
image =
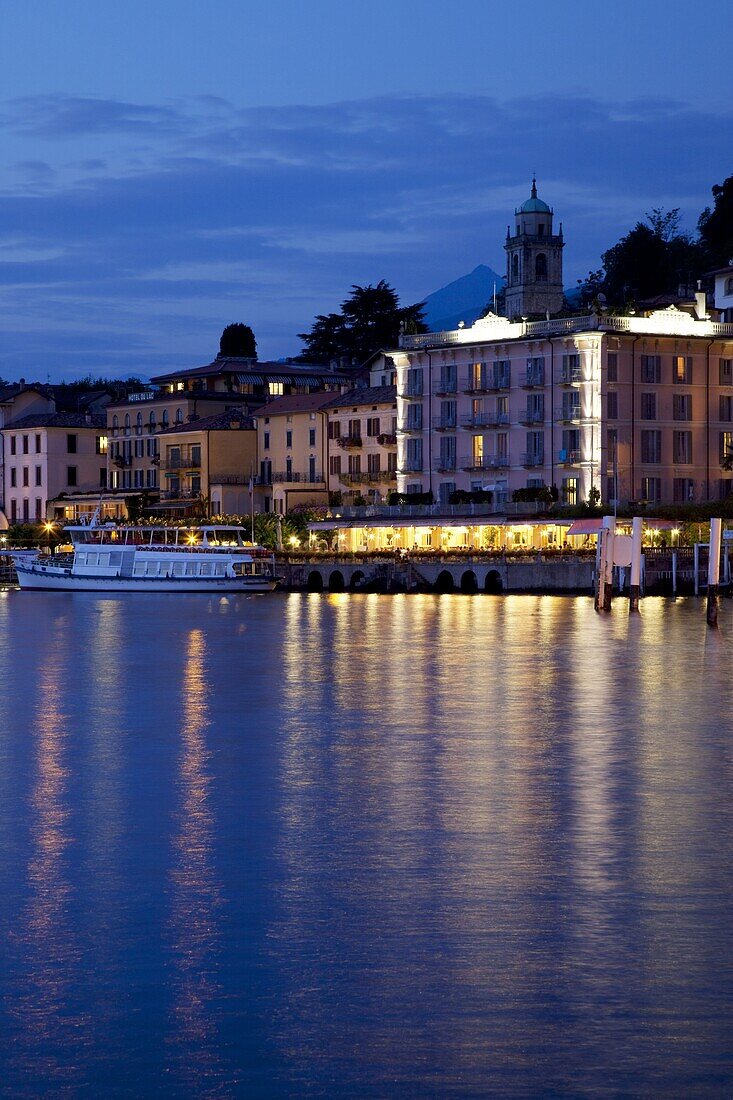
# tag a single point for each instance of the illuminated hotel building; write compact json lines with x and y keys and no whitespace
{"x":639,"y":408}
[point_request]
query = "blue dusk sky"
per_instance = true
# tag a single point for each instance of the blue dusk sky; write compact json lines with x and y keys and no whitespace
{"x":170,"y":166}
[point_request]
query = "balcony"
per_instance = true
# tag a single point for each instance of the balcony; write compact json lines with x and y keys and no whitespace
{"x":485,"y":420}
{"x":411,"y":466}
{"x":373,"y":477}
{"x":293,"y":478}
{"x":183,"y":463}
{"x":410,"y":426}
{"x":533,"y":458}
{"x":570,"y":376}
{"x":485,"y":462}
{"x":532,"y":416}
{"x":532,"y":378}
{"x":478,"y":383}
{"x":445,"y":386}
{"x":120,"y":461}
{"x":568,"y":458}
{"x":411,"y":393}
{"x":568,"y":414}
{"x":444,"y":423}
{"x":387,"y":439}
{"x":349,"y":441}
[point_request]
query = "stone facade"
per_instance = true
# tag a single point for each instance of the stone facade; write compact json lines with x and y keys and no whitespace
{"x":534,"y":284}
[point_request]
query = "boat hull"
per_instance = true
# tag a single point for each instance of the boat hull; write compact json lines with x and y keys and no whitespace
{"x":29,"y":578}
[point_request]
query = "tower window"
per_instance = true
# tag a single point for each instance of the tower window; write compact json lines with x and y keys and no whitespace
{"x":541,"y":229}
{"x":540,"y":268}
{"x":515,"y":268}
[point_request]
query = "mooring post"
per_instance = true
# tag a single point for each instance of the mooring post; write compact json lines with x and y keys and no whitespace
{"x":714,"y":570}
{"x":635,"y":585}
{"x":609,"y":523}
{"x":674,"y":572}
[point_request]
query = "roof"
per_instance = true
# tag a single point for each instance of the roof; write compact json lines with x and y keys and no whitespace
{"x":180,"y":395}
{"x":13,"y":389}
{"x":365,"y":395}
{"x":253,"y":367}
{"x":58,"y":420}
{"x":230,"y":420}
{"x":533,"y":205}
{"x":295,"y":402}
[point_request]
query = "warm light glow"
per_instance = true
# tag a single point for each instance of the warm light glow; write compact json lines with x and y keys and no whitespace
{"x":294,"y":540}
{"x":48,"y":527}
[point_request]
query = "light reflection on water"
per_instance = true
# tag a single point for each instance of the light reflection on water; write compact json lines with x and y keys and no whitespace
{"x":357,"y":845}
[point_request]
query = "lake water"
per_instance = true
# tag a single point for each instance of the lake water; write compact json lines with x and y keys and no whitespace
{"x":364,"y":846}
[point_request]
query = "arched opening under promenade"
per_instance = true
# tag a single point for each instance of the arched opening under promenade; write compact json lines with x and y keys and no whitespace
{"x":315,"y":581}
{"x":493,"y":584}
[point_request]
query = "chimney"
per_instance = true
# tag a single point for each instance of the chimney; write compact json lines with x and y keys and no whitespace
{"x":88,"y":417}
{"x":700,"y":303}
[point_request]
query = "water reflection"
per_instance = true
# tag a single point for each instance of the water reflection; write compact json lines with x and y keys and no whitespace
{"x":195,"y":894}
{"x":45,"y":1017}
{"x":474,"y":817}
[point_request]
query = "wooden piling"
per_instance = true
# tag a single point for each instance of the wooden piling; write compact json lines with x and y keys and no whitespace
{"x":713,"y":571}
{"x":635,"y":582}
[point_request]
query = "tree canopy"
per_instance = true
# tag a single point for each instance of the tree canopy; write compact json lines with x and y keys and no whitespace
{"x":716,"y":226}
{"x":371,"y":318}
{"x":238,"y":342}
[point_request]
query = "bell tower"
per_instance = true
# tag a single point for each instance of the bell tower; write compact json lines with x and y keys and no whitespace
{"x":533,"y":260}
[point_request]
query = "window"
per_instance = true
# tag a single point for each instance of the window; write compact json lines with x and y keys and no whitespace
{"x":447,"y":458}
{"x":355,"y":464}
{"x":682,"y":447}
{"x":127,"y":423}
{"x":612,"y":405}
{"x":682,"y":370}
{"x":39,"y":479}
{"x":729,"y":286}
{"x":683,"y":489}
{"x":682,"y":406}
{"x":71,"y":475}
{"x":571,"y":367}
{"x":414,"y":382}
{"x":38,"y":444}
{"x":139,"y":424}
{"x":26,"y":511}
{"x":392,"y":461}
{"x":414,"y":418}
{"x":726,"y":372}
{"x":138,"y":479}
{"x":648,"y":406}
{"x":447,"y":414}
{"x":102,"y":477}
{"x":289,"y":437}
{"x":151,"y":423}
{"x":651,"y":446}
{"x":334,"y":465}
{"x":101,"y":445}
{"x":13,"y":445}
{"x":151,"y":478}
{"x":651,"y":369}
{"x":13,"y":477}
{"x":612,"y":445}
{"x":311,"y":437}
{"x":414,"y":454}
{"x":374,"y":462}
{"x":726,"y":446}
{"x":540,"y":268}
{"x":535,"y":448}
{"x":266,"y":441}
{"x":312,"y":468}
{"x":726,"y":409}
{"x":536,"y":370}
{"x":26,"y":473}
{"x":570,"y":490}
{"x":140,"y":448}
{"x":515,"y":268}
{"x":651,"y":488}
{"x":115,"y":424}
{"x":502,"y":374}
{"x":612,"y":366}
{"x":164,"y":419}
{"x":25,"y":444}
{"x":373,"y":427}
{"x":334,"y":429}
{"x":448,"y":378}
{"x":71,"y":444}
{"x":39,"y":509}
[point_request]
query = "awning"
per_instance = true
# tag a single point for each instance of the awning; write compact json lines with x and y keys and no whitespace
{"x":257,"y":379}
{"x":585,"y":526}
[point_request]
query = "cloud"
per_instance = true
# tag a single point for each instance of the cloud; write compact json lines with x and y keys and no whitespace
{"x":150,"y":220}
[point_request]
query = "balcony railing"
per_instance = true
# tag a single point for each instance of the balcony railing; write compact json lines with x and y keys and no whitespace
{"x":485,"y":462}
{"x":485,"y":420}
{"x":531,"y":378}
{"x":411,"y":466}
{"x":568,"y":414}
{"x":444,"y":423}
{"x":371,"y":477}
{"x":182,"y":463}
{"x":445,"y":386}
{"x":411,"y":393}
{"x":387,"y":439}
{"x":349,"y":441}
{"x":568,"y":458}
{"x":571,"y":376}
{"x":292,"y":477}
{"x":533,"y":458}
{"x":532,"y":416}
{"x":407,"y":426}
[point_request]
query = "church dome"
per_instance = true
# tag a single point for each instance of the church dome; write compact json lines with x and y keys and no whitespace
{"x":533,"y":205}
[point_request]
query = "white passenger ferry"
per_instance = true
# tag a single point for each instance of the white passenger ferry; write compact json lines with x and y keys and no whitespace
{"x":107,"y":558}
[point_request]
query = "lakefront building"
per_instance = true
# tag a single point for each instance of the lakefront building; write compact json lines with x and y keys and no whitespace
{"x":635,"y":408}
{"x":362,"y":443}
